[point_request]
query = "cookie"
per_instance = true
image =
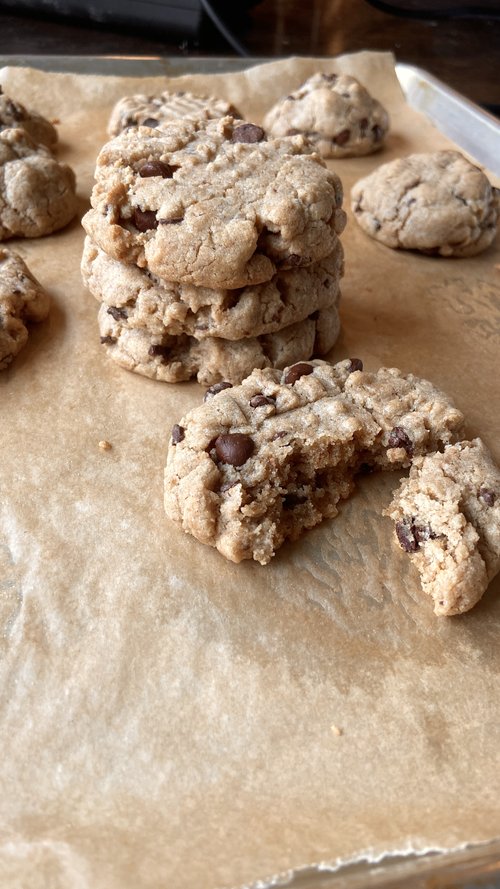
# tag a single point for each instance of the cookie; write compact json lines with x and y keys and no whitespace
{"x":447,"y":516}
{"x":154,"y":305}
{"x":15,"y":115}
{"x":37,"y":194}
{"x":154,"y":111}
{"x":258,"y":463}
{"x":335,"y":112}
{"x":211,"y":360}
{"x":212,"y":203}
{"x":22,"y":300}
{"x":436,"y":203}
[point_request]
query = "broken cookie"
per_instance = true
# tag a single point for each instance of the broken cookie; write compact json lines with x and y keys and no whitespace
{"x":258,"y":463}
{"x":447,"y":518}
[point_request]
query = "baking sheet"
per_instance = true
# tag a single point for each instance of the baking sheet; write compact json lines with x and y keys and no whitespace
{"x":169,"y":719}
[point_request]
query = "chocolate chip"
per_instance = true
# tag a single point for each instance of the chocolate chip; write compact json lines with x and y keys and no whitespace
{"x":177,"y":434}
{"x":108,"y":340}
{"x":234,"y":448}
{"x":215,"y":389}
{"x":117,"y":314}
{"x":399,"y":439}
{"x":487,"y":496}
{"x":145,"y":220}
{"x":296,"y":371}
{"x":356,"y":364}
{"x":248,"y":132}
{"x":280,"y":434}
{"x":378,"y":133}
{"x":155,"y":168}
{"x":410,"y":535}
{"x":342,"y":137}
{"x":150,"y":122}
{"x":260,"y":400}
{"x":406,"y":537}
{"x":290,"y":501}
{"x":158,"y":351}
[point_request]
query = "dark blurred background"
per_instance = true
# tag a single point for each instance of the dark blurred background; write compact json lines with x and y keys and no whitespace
{"x":456,"y":41}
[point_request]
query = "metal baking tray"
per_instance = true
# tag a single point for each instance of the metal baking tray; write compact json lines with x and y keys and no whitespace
{"x":478,"y":133}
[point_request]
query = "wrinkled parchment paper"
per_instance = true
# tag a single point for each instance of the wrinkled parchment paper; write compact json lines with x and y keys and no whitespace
{"x":172,"y":720}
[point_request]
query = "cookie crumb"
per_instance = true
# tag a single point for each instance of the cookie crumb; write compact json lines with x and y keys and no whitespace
{"x":336,"y":730}
{"x":105,"y":445}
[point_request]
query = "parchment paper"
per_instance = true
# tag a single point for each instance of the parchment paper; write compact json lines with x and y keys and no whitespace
{"x":172,"y":720}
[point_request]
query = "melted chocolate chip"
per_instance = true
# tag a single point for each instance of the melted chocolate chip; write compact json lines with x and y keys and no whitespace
{"x":487,"y":496}
{"x":399,"y":439}
{"x":215,"y":389}
{"x":158,"y":351}
{"x":150,"y":122}
{"x":234,"y":448}
{"x":248,"y":132}
{"x":155,"y":168}
{"x":290,"y":501}
{"x":378,"y":133}
{"x":145,"y":220}
{"x":356,"y":364}
{"x":117,"y":314}
{"x":177,"y":434}
{"x":108,"y":340}
{"x":296,"y":371}
{"x":260,"y":400}
{"x":342,"y":137}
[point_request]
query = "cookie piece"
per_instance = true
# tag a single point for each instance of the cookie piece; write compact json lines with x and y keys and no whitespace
{"x":211,"y":360}
{"x":15,"y":115}
{"x":335,"y":112}
{"x":154,"y":111}
{"x":194,"y":203}
{"x":37,"y":194}
{"x":436,"y":203}
{"x":447,"y":516}
{"x":22,"y":300}
{"x":157,"y":306}
{"x":258,"y":463}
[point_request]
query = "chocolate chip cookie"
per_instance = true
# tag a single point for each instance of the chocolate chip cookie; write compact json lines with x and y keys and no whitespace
{"x":13,"y":114}
{"x":212,"y":203}
{"x":37,"y":194}
{"x":335,"y":112}
{"x":171,"y":359}
{"x":447,"y":516}
{"x":154,"y":111}
{"x":22,"y":300}
{"x":149,"y":303}
{"x":258,"y":463}
{"x":436,"y":203}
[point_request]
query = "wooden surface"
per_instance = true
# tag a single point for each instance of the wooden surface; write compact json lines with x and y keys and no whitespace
{"x":465,"y":53}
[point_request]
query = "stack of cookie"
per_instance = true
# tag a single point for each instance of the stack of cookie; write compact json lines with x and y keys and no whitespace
{"x":212,"y":250}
